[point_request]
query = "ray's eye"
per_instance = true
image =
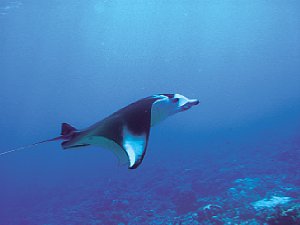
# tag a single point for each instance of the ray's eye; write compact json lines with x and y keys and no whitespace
{"x":175,"y":100}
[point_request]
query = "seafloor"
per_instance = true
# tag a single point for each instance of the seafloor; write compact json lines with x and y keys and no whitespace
{"x":254,"y":185}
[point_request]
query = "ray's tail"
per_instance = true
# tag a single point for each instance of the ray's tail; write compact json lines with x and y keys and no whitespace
{"x":30,"y":146}
{"x":66,"y":133}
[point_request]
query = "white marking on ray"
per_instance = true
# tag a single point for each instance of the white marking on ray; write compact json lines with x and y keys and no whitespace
{"x":160,"y":110}
{"x":134,"y":146}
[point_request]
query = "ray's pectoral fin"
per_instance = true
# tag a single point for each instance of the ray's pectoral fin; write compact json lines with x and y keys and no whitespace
{"x":108,"y":144}
{"x":130,"y":150}
{"x":135,"y":147}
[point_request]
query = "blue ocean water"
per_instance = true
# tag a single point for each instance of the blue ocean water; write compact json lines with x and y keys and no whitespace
{"x":233,"y":159}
